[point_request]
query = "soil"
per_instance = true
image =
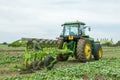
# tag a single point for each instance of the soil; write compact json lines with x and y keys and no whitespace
{"x":11,"y":50}
{"x":98,"y":77}
{"x":85,"y":77}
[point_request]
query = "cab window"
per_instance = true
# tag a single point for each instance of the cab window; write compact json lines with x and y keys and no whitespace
{"x":71,"y":30}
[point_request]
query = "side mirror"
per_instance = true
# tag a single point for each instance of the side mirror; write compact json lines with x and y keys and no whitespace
{"x":89,"y":29}
{"x":62,"y":25}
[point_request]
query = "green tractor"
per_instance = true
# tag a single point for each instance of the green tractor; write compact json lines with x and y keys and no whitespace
{"x":72,"y":42}
{"x":82,"y":45}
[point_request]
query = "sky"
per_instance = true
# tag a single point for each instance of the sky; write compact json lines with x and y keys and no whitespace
{"x":43,"y":18}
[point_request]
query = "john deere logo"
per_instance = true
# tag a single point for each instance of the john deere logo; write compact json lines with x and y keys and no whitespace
{"x":70,"y":38}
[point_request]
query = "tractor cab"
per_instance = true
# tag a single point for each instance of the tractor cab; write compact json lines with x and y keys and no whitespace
{"x":73,"y":30}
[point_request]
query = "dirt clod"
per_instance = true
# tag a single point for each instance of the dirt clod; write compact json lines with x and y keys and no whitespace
{"x":85,"y":77}
{"x":98,"y":77}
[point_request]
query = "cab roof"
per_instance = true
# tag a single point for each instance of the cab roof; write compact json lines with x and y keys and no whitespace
{"x":76,"y":22}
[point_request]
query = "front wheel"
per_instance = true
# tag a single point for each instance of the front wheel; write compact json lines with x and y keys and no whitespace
{"x":62,"y":57}
{"x":97,"y":51}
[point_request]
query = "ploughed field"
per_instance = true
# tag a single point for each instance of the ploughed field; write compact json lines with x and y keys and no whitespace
{"x":108,"y":68}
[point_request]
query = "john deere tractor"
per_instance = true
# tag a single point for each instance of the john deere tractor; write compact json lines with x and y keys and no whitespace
{"x":72,"y":42}
{"x":82,"y":45}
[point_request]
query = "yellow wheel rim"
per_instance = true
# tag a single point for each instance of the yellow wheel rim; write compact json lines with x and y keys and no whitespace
{"x":100,"y":53}
{"x":87,"y":51}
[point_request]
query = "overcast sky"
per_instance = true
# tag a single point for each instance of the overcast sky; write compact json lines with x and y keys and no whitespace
{"x":43,"y":18}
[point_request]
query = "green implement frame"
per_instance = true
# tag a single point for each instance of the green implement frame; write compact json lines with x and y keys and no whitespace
{"x":31,"y":56}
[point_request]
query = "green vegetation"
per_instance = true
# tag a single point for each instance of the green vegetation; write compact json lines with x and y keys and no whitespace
{"x":18,"y":43}
{"x":8,"y":58}
{"x":118,"y":43}
{"x":109,"y":52}
{"x":106,"y":68}
{"x":108,"y":43}
{"x":5,"y":47}
{"x":9,"y":63}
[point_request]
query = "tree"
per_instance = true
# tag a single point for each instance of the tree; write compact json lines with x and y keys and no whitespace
{"x":118,"y":43}
{"x":107,"y":44}
{"x":4,"y":43}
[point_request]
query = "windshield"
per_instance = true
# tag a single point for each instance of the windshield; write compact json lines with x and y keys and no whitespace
{"x":71,"y":30}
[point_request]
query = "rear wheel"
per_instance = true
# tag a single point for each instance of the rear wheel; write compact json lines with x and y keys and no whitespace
{"x":83,"y":50}
{"x":97,"y":51}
